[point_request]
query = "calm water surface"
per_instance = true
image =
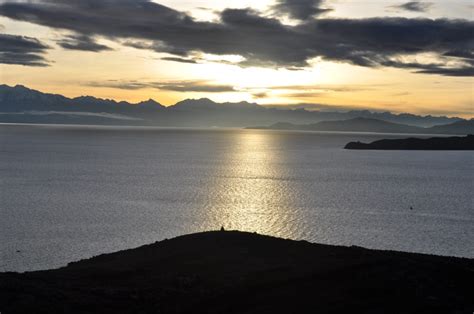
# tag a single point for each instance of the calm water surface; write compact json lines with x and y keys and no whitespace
{"x":67,"y":193}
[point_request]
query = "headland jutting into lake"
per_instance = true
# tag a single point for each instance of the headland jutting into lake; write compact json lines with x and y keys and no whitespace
{"x":236,"y":272}
{"x":434,"y":143}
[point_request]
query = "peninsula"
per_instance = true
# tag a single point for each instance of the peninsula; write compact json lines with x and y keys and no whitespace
{"x":434,"y":143}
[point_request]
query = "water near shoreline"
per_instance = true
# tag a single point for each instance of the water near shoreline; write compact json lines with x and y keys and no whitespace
{"x":67,"y":193}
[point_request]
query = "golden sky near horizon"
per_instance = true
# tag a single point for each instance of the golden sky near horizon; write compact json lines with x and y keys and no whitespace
{"x":123,"y":72}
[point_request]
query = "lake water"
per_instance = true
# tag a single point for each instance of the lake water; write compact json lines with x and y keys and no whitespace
{"x":70,"y":192}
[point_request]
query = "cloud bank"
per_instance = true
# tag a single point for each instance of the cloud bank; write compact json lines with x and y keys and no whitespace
{"x":263,"y":41}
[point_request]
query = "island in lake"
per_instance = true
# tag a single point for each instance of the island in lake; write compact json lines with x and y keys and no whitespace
{"x":434,"y":143}
{"x":237,"y":272}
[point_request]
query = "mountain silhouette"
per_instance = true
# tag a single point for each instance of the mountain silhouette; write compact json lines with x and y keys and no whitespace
{"x":20,"y":104}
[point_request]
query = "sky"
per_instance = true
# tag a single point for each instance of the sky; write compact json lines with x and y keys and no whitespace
{"x":399,"y":56}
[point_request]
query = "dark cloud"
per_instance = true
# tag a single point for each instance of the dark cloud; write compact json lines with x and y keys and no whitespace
{"x":467,"y":71}
{"x":22,"y":50}
{"x":435,"y":68}
{"x":176,"y":86}
{"x":81,"y":42}
{"x":460,"y":54}
{"x":300,"y":9}
{"x":381,"y":41}
{"x":414,"y":6}
{"x":262,"y":41}
{"x":156,"y":45}
{"x":182,"y":60}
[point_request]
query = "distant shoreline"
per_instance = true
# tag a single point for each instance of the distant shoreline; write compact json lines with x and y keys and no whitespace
{"x":137,"y":127}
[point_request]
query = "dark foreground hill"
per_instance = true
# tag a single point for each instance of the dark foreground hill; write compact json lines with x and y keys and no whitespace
{"x":235,"y":272}
{"x":434,"y":143}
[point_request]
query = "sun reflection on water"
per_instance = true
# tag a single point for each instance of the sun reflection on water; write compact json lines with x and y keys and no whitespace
{"x":252,"y":195}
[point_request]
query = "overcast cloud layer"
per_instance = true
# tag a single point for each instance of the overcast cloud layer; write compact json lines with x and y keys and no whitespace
{"x":262,"y":41}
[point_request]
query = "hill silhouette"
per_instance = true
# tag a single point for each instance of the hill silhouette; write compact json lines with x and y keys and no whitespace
{"x":435,"y":143}
{"x":235,"y":272}
{"x":377,"y":126}
{"x":458,"y":127}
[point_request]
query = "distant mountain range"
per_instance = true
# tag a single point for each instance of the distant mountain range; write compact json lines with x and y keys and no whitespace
{"x":20,"y":104}
{"x":375,"y":125}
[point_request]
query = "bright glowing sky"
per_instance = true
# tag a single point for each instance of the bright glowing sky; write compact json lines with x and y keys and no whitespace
{"x":334,"y":82}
